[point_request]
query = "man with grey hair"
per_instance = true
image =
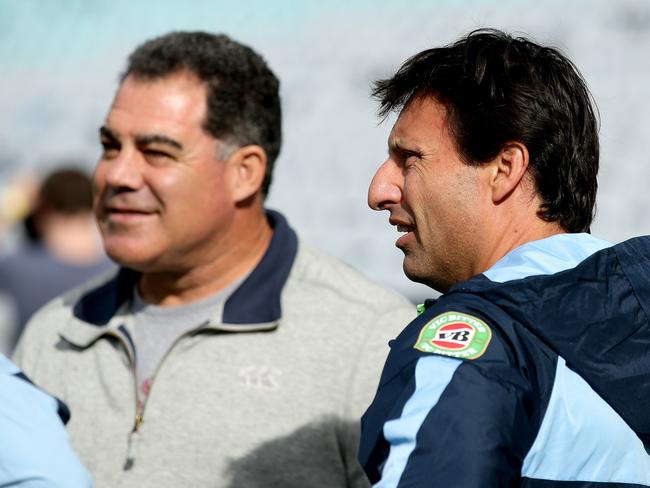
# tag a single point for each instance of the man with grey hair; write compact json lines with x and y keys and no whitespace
{"x":224,"y":352}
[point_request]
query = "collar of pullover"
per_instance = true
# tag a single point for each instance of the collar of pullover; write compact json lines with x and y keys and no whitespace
{"x":254,"y":305}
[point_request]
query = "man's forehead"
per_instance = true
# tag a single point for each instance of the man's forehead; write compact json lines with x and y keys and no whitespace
{"x":417,"y":121}
{"x":175,"y":103}
{"x":180,"y":75}
{"x":399,"y":138}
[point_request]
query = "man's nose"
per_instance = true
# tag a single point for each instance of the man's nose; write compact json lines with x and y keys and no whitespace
{"x":386,"y":186}
{"x":124,"y":171}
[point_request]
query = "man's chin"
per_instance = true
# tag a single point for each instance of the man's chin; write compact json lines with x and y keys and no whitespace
{"x":412,"y":271}
{"x":132,"y":259}
{"x":422,"y":275}
{"x":416,"y":277}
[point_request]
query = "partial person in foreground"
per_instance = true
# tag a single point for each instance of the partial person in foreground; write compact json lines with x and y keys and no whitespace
{"x":532,"y":369}
{"x":225,"y":352}
{"x":35,"y":450}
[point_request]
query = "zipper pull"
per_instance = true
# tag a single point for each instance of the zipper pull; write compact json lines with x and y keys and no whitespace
{"x":134,"y":437}
{"x":138,"y":422}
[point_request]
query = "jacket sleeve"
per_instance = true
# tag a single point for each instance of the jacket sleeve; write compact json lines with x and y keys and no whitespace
{"x":459,"y":427}
{"x":35,"y":451}
{"x":447,"y":418}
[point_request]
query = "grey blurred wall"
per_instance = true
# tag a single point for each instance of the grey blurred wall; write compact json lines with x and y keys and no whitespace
{"x":59,"y":62}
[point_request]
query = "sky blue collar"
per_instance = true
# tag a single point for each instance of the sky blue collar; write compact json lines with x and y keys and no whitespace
{"x":545,"y":256}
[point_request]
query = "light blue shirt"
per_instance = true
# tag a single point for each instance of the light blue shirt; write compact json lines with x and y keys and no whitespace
{"x":34,"y":448}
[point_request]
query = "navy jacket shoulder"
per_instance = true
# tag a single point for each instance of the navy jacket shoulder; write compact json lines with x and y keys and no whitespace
{"x":596,"y":317}
{"x":591,"y":319}
{"x":513,"y":359}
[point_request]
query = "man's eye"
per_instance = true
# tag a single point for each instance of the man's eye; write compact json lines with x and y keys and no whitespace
{"x":153,"y":153}
{"x":109,"y":147}
{"x":410,"y":158}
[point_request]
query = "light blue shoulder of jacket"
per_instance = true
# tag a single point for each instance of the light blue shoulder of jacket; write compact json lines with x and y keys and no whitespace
{"x":545,"y":256}
{"x":35,"y":451}
{"x":581,"y":436}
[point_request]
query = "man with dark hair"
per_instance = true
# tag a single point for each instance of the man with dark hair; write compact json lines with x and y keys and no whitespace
{"x":532,"y":368}
{"x":224,"y":352}
{"x":242,"y":93}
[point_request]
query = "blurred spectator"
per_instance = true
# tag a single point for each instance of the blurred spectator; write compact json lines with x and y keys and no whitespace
{"x":62,"y":250}
{"x":17,"y":198}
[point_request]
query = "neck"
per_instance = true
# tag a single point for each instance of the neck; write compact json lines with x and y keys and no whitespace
{"x":516,"y":236}
{"x":239,"y":252}
{"x":509,"y":230}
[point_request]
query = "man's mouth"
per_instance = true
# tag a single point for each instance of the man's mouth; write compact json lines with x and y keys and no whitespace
{"x":127,"y":211}
{"x":402,"y":225}
{"x":404,"y":228}
{"x":126,"y":215}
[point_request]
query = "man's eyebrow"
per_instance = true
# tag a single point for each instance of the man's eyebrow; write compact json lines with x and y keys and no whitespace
{"x":145,"y":140}
{"x":107,"y":133}
{"x":397,"y":147}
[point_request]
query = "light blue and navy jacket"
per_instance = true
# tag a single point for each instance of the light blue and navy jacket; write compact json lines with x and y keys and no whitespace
{"x":558,"y":394}
{"x":34,"y":448}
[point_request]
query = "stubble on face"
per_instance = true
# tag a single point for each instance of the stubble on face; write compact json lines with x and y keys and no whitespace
{"x":162,"y":202}
{"x":441,"y":198}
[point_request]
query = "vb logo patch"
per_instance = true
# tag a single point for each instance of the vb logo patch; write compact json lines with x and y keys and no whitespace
{"x":455,"y":334}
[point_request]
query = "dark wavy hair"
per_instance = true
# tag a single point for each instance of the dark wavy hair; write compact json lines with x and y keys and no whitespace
{"x":497,"y":89}
{"x":243,"y":93}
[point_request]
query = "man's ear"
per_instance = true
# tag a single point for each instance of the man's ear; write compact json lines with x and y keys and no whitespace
{"x":509,"y":168}
{"x":247,"y":170}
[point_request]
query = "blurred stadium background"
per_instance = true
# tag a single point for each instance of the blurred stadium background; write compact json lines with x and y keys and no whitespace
{"x":60,"y":59}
